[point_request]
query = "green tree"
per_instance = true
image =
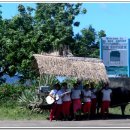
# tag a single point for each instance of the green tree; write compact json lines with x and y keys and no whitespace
{"x":22,"y":35}
{"x":2,"y":51}
{"x":87,"y":43}
{"x":54,"y":24}
{"x":50,"y":29}
{"x":18,"y":44}
{"x":101,"y":33}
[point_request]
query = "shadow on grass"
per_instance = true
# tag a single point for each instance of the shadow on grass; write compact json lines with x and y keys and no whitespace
{"x":109,"y":117}
{"x":99,"y":117}
{"x":118,"y":116}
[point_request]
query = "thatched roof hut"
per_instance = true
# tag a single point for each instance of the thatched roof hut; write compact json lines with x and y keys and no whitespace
{"x":91,"y":69}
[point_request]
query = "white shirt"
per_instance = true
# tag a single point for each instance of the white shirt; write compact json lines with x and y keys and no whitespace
{"x":106,"y":94}
{"x":76,"y":94}
{"x":59,"y":94}
{"x":53,"y":92}
{"x":86,"y":93}
{"x":93,"y":95}
{"x":66,"y":97}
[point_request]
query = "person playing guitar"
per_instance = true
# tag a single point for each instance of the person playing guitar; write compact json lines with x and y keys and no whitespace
{"x":56,"y":110}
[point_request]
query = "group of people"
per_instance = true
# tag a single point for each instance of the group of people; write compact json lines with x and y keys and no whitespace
{"x":80,"y":99}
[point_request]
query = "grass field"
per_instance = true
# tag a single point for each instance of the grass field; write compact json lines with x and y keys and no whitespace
{"x":117,"y":110}
{"x":20,"y":114}
{"x":10,"y":110}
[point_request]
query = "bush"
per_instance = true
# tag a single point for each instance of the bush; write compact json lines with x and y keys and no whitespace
{"x":12,"y":92}
{"x":28,"y":97}
{"x":70,"y":81}
{"x":47,"y":80}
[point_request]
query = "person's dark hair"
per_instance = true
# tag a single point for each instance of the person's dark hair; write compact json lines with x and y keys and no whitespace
{"x":56,"y":85}
{"x":79,"y":81}
{"x":75,"y":85}
{"x":92,"y":84}
{"x":86,"y":85}
{"x":106,"y":84}
{"x":64,"y":84}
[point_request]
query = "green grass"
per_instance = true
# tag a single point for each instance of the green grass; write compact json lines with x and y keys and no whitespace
{"x":11,"y":111}
{"x":117,"y":110}
{"x":20,"y":114}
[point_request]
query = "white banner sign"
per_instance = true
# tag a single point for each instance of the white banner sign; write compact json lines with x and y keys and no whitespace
{"x":114,"y":51}
{"x":114,"y":43}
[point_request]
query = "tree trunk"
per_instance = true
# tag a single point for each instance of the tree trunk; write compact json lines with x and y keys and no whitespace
{"x":63,"y":50}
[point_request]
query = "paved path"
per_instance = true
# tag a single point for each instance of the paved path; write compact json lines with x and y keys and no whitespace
{"x":45,"y":123}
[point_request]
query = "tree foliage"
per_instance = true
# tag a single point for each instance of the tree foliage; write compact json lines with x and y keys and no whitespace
{"x":54,"y":23}
{"x":17,"y":44}
{"x":87,"y":43}
{"x":49,"y":28}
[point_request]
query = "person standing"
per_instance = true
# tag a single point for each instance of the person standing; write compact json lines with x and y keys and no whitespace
{"x":87,"y":100}
{"x":76,"y":100}
{"x":59,"y":102}
{"x":56,"y":110}
{"x":79,"y":83}
{"x":106,"y":99}
{"x":66,"y":101}
{"x":93,"y":99}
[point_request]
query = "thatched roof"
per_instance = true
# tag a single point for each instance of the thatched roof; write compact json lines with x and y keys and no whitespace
{"x":82,"y":68}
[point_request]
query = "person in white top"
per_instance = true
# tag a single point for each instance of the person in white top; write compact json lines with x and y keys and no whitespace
{"x":56,"y":110}
{"x":66,"y":101}
{"x":76,"y":100}
{"x":93,"y":99}
{"x":87,"y":100}
{"x":106,"y":99}
{"x":79,"y":83}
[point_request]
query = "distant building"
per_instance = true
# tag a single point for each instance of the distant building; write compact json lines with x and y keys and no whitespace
{"x":115,"y":54}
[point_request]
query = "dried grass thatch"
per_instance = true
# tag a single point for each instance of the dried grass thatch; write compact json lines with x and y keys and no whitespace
{"x":91,"y":69}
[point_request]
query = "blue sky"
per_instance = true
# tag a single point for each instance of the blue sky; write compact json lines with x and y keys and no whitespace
{"x":113,"y":18}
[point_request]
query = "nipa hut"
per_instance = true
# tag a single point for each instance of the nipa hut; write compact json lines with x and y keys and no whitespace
{"x":91,"y":69}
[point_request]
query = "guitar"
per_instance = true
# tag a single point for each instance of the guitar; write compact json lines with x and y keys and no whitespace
{"x":50,"y":99}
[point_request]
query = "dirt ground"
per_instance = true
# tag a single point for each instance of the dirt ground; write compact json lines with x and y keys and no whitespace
{"x":112,"y":121}
{"x":77,"y":124}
